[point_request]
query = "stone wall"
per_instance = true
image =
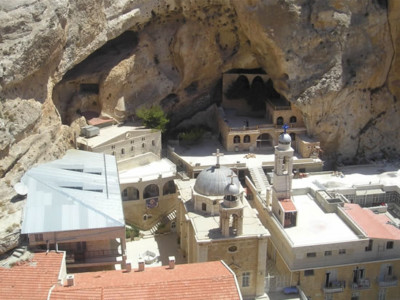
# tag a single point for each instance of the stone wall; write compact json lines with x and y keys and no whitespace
{"x":336,"y":60}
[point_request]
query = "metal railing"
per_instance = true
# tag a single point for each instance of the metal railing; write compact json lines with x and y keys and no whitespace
{"x":102,"y":253}
{"x":361,"y":284}
{"x":387,"y":281}
{"x":334,"y":286}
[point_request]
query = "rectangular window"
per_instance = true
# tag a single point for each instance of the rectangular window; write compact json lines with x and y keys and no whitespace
{"x":311,"y":254}
{"x":246,"y":279}
{"x":369,"y":247}
{"x":308,"y":272}
{"x":342,"y":251}
{"x":389,"y":245}
{"x":39,"y":237}
{"x":328,"y":253}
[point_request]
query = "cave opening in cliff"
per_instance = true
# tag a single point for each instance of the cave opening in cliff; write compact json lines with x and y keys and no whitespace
{"x":252,"y":86}
{"x":79,"y":91}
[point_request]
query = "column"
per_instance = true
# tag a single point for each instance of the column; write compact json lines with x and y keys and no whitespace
{"x":261,"y":264}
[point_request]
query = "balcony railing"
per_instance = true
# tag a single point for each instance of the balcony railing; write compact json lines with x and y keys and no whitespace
{"x":361,"y":284}
{"x":334,"y":287}
{"x":387,"y":281}
{"x":79,"y":257}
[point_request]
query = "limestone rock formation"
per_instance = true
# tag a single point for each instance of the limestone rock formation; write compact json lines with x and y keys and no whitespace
{"x":337,"y":60}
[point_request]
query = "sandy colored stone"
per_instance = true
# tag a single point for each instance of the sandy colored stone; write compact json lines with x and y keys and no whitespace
{"x":337,"y":60}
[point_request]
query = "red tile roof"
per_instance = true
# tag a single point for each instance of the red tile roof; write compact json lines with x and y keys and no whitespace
{"x":287,"y":205}
{"x":209,"y":280}
{"x":100,"y":121}
{"x":374,"y":225}
{"x":31,"y":279}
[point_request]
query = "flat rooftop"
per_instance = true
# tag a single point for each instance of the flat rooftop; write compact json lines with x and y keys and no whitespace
{"x":201,"y":154}
{"x":150,"y":171}
{"x":314,"y":226}
{"x":207,"y":227}
{"x":352,"y":176}
{"x":110,"y":132}
{"x":235,"y":120}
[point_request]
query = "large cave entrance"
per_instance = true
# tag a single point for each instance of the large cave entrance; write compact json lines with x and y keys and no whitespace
{"x":248,"y":91}
{"x":78,"y":93}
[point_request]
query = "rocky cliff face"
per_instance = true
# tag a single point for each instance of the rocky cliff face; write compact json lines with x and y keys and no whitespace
{"x":337,"y":60}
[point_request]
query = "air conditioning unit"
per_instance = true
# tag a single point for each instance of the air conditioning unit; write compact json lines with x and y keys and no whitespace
{"x":90,"y":131}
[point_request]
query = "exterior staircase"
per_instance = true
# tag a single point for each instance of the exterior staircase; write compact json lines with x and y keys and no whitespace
{"x":259,"y":178}
{"x":164,"y":220}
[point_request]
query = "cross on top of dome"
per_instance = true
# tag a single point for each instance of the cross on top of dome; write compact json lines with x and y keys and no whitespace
{"x":233,"y":175}
{"x":285,"y":127}
{"x":218,"y":154}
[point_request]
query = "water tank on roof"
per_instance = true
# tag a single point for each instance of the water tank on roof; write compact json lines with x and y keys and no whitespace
{"x":90,"y":131}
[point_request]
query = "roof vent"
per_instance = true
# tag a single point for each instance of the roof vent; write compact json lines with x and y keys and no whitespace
{"x":70,"y":280}
{"x":128,"y":267}
{"x":171,"y":260}
{"x":141,"y":264}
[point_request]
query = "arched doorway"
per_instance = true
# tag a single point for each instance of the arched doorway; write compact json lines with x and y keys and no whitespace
{"x":264,"y":141}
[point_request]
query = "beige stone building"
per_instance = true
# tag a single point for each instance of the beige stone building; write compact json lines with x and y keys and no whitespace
{"x":148,"y":191}
{"x":242,"y":128}
{"x":327,"y":244}
{"x":123,"y":141}
{"x":215,"y":222}
{"x":74,"y":204}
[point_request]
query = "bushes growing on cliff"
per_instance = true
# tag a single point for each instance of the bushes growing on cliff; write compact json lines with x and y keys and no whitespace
{"x":153,"y":117}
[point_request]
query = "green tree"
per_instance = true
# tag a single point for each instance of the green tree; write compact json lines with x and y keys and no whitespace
{"x":153,"y":117}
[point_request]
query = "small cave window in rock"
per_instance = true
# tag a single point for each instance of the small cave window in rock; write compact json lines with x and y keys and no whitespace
{"x":89,"y":88}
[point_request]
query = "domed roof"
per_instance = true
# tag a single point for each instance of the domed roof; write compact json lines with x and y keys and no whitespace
{"x":232,"y":189}
{"x":284,"y":141}
{"x":216,"y":181}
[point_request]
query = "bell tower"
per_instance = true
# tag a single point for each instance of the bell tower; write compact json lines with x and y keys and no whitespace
{"x":283,"y":170}
{"x":282,"y":204}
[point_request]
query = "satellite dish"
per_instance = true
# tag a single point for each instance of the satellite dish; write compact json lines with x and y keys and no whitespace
{"x":21,"y":189}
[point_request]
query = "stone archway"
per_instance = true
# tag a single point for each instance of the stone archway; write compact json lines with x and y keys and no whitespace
{"x":151,"y":191}
{"x":264,"y":141}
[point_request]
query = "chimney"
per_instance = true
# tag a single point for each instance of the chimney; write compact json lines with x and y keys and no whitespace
{"x":128,"y":266}
{"x":171,"y":260}
{"x":141,"y":264}
{"x":70,"y":280}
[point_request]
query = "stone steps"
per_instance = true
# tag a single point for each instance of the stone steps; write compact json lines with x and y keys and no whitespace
{"x":19,"y":252}
{"x":259,"y":178}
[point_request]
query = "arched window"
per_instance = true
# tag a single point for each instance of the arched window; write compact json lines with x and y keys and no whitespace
{"x":151,"y":191}
{"x":246,"y":139}
{"x":122,"y":151}
{"x":130,"y":193}
{"x":236,"y":139}
{"x":293,"y":119}
{"x":169,"y":188}
{"x":203,"y":207}
{"x":293,"y":136}
{"x":279,"y":121}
